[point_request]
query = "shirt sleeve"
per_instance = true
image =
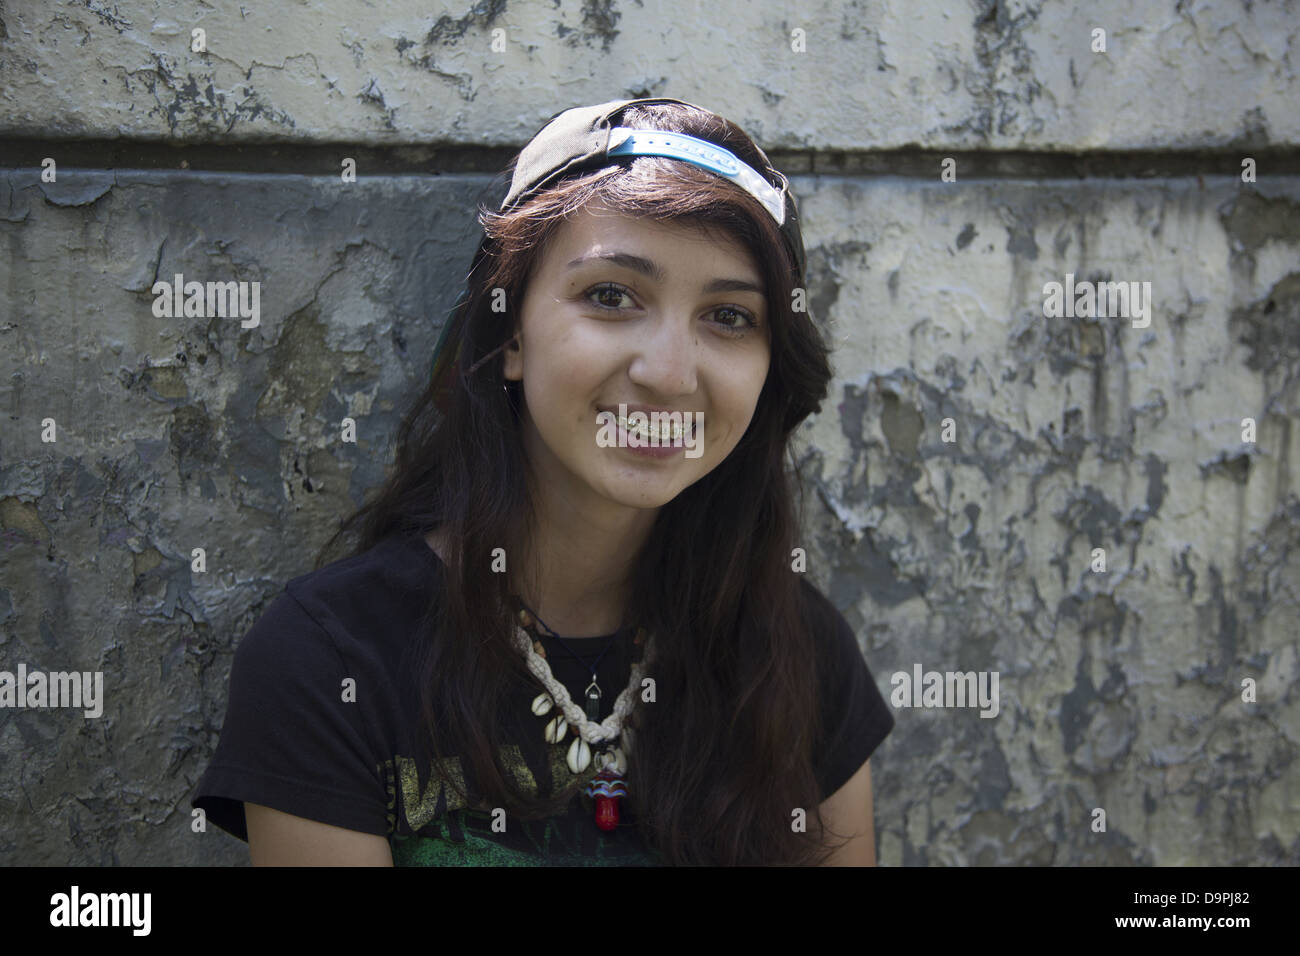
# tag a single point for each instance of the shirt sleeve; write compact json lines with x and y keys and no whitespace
{"x":855,"y":717}
{"x":290,"y":741}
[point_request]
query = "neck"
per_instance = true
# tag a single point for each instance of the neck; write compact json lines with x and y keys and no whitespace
{"x":577,"y":568}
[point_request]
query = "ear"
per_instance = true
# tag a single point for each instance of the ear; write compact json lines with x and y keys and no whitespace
{"x":513,"y":368}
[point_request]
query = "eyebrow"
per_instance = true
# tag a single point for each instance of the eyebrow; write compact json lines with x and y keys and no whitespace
{"x":653,"y":271}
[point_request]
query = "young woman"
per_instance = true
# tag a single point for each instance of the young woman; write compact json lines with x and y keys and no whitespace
{"x":551,"y":643}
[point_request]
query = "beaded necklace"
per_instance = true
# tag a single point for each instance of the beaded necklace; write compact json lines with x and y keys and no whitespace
{"x":610,"y":758}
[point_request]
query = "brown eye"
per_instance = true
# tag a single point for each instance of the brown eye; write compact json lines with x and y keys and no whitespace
{"x":736,"y":331}
{"x":608,"y":290}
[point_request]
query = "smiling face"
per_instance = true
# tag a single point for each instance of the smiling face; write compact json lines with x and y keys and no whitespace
{"x":686,"y":331}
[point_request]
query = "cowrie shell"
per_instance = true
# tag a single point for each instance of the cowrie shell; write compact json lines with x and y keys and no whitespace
{"x":556,"y":729}
{"x":617,"y":761}
{"x":611,"y":759}
{"x":579,"y":756}
{"x":542,"y":704}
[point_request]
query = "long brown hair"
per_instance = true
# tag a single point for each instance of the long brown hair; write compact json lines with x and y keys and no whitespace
{"x":724,"y":758}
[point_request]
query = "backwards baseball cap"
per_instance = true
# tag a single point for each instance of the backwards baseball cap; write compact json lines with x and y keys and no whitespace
{"x":587,"y":138}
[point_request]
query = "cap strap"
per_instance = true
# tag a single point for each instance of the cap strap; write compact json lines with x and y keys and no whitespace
{"x":624,"y":141}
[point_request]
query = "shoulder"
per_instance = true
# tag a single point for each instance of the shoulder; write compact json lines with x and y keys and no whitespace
{"x":834,"y":638}
{"x":357,"y":609}
{"x":381,"y":589}
{"x":838,"y":649}
{"x":400,"y":565}
{"x":855,"y":717}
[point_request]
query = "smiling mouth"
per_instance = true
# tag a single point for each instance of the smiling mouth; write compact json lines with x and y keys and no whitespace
{"x":676,"y":432}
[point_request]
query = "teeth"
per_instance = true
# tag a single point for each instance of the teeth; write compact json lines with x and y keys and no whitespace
{"x":649,"y":431}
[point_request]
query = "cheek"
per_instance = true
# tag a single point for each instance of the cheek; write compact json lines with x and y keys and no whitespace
{"x":564,"y":367}
{"x":562,"y":342}
{"x":742,"y":387}
{"x":736,"y":412}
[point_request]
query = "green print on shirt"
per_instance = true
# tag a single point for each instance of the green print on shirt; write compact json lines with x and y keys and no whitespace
{"x":479,"y":846}
{"x":420,"y":805}
{"x":463,"y":836}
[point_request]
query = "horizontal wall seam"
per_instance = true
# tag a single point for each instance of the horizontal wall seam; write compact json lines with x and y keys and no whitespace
{"x":319,"y":159}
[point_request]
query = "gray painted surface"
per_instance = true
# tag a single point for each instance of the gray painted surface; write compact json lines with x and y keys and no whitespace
{"x":973,"y":74}
{"x":1119,"y":690}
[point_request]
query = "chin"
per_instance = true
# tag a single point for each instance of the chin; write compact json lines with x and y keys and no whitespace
{"x":648,"y":501}
{"x":634,"y":495}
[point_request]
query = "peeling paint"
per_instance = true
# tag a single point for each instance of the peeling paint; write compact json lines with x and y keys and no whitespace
{"x":1122,"y":688}
{"x":1270,"y":328}
{"x":77,"y":188}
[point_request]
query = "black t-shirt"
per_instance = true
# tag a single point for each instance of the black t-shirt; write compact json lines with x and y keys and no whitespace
{"x":298,"y":738}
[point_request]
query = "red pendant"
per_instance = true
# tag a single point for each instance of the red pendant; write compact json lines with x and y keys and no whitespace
{"x":606,"y":789}
{"x":607,"y":813}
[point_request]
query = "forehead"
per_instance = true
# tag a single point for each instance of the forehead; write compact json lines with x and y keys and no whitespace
{"x":681,"y":249}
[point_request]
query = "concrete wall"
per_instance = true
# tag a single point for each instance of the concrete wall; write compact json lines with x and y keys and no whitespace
{"x":974,"y":454}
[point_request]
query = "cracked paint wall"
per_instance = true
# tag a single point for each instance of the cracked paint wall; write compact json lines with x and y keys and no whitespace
{"x":973,"y":456}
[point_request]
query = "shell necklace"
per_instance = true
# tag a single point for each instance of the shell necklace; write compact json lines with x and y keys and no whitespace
{"x":611,"y":760}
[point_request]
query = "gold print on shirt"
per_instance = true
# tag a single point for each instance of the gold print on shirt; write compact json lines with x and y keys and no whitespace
{"x":390,"y":787}
{"x":421,"y":806}
{"x":512,"y":759}
{"x":566,"y":781}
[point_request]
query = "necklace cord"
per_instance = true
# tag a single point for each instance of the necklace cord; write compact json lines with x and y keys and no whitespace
{"x":572,"y":653}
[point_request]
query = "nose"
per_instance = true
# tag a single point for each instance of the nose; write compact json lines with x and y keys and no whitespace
{"x":667,"y":357}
